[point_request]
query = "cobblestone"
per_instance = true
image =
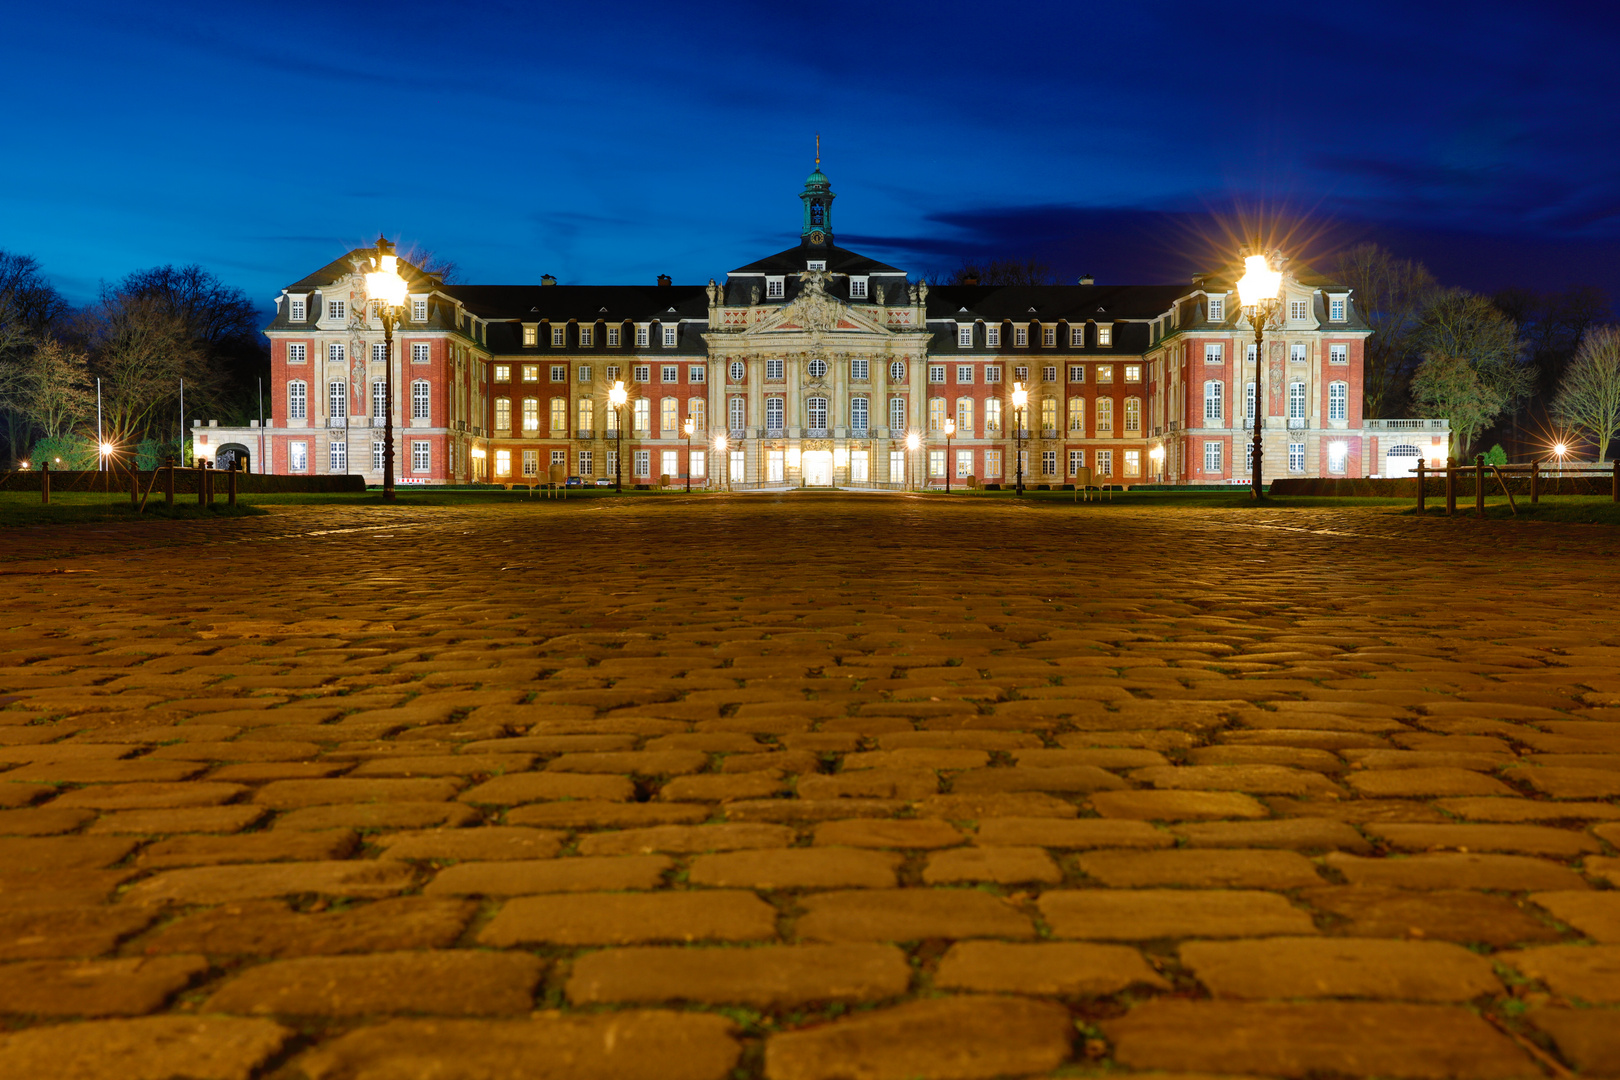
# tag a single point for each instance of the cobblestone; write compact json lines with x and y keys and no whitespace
{"x":862,"y":759}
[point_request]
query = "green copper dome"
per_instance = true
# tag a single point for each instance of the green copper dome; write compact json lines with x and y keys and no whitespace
{"x":817,"y":179}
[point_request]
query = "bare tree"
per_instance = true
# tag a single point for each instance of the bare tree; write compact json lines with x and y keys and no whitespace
{"x":436,"y":265}
{"x":141,"y":348}
{"x":29,"y":309}
{"x":1589,"y":394}
{"x":1450,"y":386}
{"x":1390,"y":294}
{"x":1458,"y":323}
{"x":1004,"y":271}
{"x":54,"y":392}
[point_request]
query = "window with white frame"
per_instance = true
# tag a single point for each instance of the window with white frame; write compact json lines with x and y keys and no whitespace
{"x":1021,"y":336}
{"x":816,"y":264}
{"x":669,"y":335}
{"x":1248,"y":400}
{"x":739,"y":412}
{"x":669,"y":465}
{"x":379,"y":399}
{"x":642,"y":463}
{"x":559,"y":415}
{"x":587,"y":414}
{"x":1213,"y":409}
{"x":815,"y":410}
{"x":587,"y":336}
{"x":642,"y":331}
{"x":376,"y":455}
{"x":335,"y":353}
{"x":1298,"y":309}
{"x":1338,"y":354}
{"x":697,"y":373}
{"x":559,"y":335}
{"x":669,"y":415}
{"x":1049,"y":337}
{"x":531,"y":372}
{"x":936,"y":414}
{"x":296,"y":353}
{"x":775,"y":288}
{"x":857,"y":288}
{"x":1217,"y":309}
{"x":559,"y":373}
{"x":531,"y":336}
{"x":1214,"y":352}
{"x":1250,"y":352}
{"x":1105,"y":334}
{"x":737,"y":465}
{"x":1296,"y":401}
{"x":584,"y":373}
{"x":936,"y":464}
{"x":298,"y":456}
{"x":1296,"y":352}
{"x":503,"y":463}
{"x":503,"y":372}
{"x":992,"y":373}
{"x":1133,"y":415}
{"x":586,"y":458}
{"x":936,"y":373}
{"x":1296,"y":457}
{"x":698,"y":464}
{"x":964,"y":335}
{"x":738,"y":371}
{"x":337,"y":400}
{"x":421,"y":352}
{"x":1048,"y":462}
{"x":531,"y":414}
{"x":1077,"y":461}
{"x":1212,"y":456}
{"x":964,"y":373}
{"x":992,"y":336}
{"x":559,"y":457}
{"x":531,"y":463}
{"x":1105,"y":463}
{"x":860,"y":369}
{"x":964,"y":417}
{"x":897,"y":414}
{"x":1049,"y":420}
{"x":612,"y":373}
{"x":613,"y":337}
{"x":642,"y":373}
{"x":992,"y":416}
{"x":503,"y":414}
{"x":378,"y":352}
{"x":775,"y":367}
{"x":1336,"y":309}
{"x":1248,"y":456}
{"x":1105,"y":373}
{"x":295,"y":309}
{"x":1077,"y":336}
{"x":1133,"y":373}
{"x":817,"y":368}
{"x":419,"y":310}
{"x":1105,"y":416}
{"x":1338,"y":456}
{"x":1077,"y":414}
{"x":419,"y":399}
{"x":420,"y":459}
{"x":1338,"y":400}
{"x":992,"y":464}
{"x":669,"y":373}
{"x":964,"y":464}
{"x":897,"y":467}
{"x":337,"y":457}
{"x":1133,"y":464}
{"x":337,"y":309}
{"x":1021,"y":374}
{"x":1077,"y":373}
{"x":297,"y":400}
{"x":774,"y":412}
{"x":859,"y":414}
{"x":610,"y":463}
{"x":897,"y":371}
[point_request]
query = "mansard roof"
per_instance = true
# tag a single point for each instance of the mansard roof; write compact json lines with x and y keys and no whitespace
{"x":583,"y":303}
{"x":1053,"y":303}
{"x":839,"y":261}
{"x":343,"y":266}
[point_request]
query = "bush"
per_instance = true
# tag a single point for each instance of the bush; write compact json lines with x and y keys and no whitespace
{"x":75,"y":451}
{"x":1496,"y":455}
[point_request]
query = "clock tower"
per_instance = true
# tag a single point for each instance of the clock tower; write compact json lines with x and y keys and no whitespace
{"x":817,"y":198}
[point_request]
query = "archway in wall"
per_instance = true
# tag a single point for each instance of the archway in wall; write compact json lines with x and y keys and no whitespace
{"x":818,"y":468}
{"x":233,"y":456}
{"x":1402,"y":460}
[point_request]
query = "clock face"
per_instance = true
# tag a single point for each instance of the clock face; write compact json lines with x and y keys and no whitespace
{"x":818,"y":237}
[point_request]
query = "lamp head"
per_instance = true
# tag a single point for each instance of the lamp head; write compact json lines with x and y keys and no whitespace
{"x":1259,"y":283}
{"x":1560,"y":449}
{"x":1157,"y":453}
{"x":720,"y":443}
{"x":950,"y":427}
{"x":617,"y":395}
{"x":688,"y":426}
{"x":913,"y":441}
{"x":383,"y":283}
{"x":107,"y":448}
{"x":1020,"y":395}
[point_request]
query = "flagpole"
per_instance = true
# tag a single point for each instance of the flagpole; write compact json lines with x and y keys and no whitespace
{"x":101,"y":456}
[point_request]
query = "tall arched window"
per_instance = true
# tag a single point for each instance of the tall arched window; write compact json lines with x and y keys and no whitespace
{"x":669,"y":415}
{"x":859,"y":414}
{"x":587,"y":415}
{"x":964,"y":417}
{"x":1133,"y":414}
{"x":699,"y":410}
{"x":337,"y":400}
{"x":1077,"y":415}
{"x":1338,"y":401}
{"x":936,"y":414}
{"x":815,"y":410}
{"x":1105,"y":415}
{"x":1213,"y":409}
{"x":297,"y":400}
{"x":531,"y":414}
{"x":739,"y":413}
{"x":897,"y":410}
{"x":419,"y":400}
{"x":992,"y":416}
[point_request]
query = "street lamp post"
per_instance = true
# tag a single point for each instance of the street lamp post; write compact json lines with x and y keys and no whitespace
{"x":720,"y":456}
{"x":950,"y":429}
{"x":688,"y":426}
{"x":1157,"y":454}
{"x":386,"y":289}
{"x":617,"y":398}
{"x":1020,"y":399}
{"x":912,"y":442}
{"x":1259,"y":292}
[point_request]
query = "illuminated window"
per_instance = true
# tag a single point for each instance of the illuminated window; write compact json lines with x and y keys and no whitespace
{"x":298,"y":456}
{"x":503,"y":372}
{"x":1105,"y":334}
{"x":1105,"y":463}
{"x":559,"y":415}
{"x":1133,"y":463}
{"x":531,"y":372}
{"x":1077,"y":415}
{"x":643,"y":415}
{"x":992,"y":416}
{"x":964,"y":417}
{"x":1105,"y":415}
{"x":531,"y":463}
{"x":698,"y":410}
{"x":936,"y":414}
{"x":1133,"y":415}
{"x":531,"y":414}
{"x":1133,"y":372}
{"x":587,"y":415}
{"x":992,"y":464}
{"x":531,"y":336}
{"x":1049,"y":421}
{"x":503,"y":463}
{"x":1105,"y":373}
{"x":1338,"y":455}
{"x":503,"y":414}
{"x":936,"y":464}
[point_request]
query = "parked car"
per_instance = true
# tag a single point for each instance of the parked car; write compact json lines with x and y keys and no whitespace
{"x":603,"y":481}
{"x":575,"y":481}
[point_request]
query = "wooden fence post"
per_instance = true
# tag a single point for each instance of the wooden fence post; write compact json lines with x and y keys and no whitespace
{"x":1614,"y":485}
{"x":168,"y":483}
{"x":45,"y":483}
{"x":1420,"y":487}
{"x":134,"y":486}
{"x":230,"y":484}
{"x":1479,"y":485}
{"x":1451,"y":486}
{"x":1535,"y":482}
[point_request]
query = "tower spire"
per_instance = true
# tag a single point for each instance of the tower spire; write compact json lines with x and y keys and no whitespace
{"x":818,"y":151}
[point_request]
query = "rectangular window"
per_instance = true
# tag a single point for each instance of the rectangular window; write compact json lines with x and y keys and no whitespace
{"x":1133,"y":415}
{"x":559,"y":415}
{"x":531,"y":414}
{"x":503,"y":414}
{"x":936,"y":414}
{"x":334,"y":353}
{"x":668,"y":416}
{"x":559,"y":373}
{"x":1077,"y":415}
{"x":964,"y":373}
{"x":1249,"y":353}
{"x":992,"y":464}
{"x":297,"y":404}
{"x":1049,"y":337}
{"x":1296,"y":353}
{"x":964,"y":464}
{"x":1105,"y":416}
{"x":1338,"y":456}
{"x":296,"y":353}
{"x":738,"y":413}
{"x":531,"y":463}
{"x":1049,"y":374}
{"x":337,"y":400}
{"x":669,"y":373}
{"x":1105,"y":335}
{"x":697,"y":373}
{"x":1021,"y":337}
{"x":295,"y":309}
{"x":698,"y":465}
{"x":1021,"y":374}
{"x":612,"y":372}
{"x":419,"y":310}
{"x":1133,"y":463}
{"x":1296,"y":401}
{"x":419,"y":455}
{"x":737,"y":465}
{"x":1296,"y":457}
{"x":641,"y":373}
{"x":642,"y":463}
{"x":1077,"y":461}
{"x":1077,"y":373}
{"x":1217,"y":309}
{"x":587,"y":336}
{"x":585,"y":466}
{"x":1336,"y":309}
{"x":992,"y":416}
{"x":858,"y":414}
{"x":1077,"y":336}
{"x":1048,"y":462}
{"x":420,"y":352}
{"x":860,"y":465}
{"x":503,"y":463}
{"x":1248,"y":400}
{"x":503,"y":372}
{"x":377,"y":352}
{"x":964,"y":417}
{"x":587,"y":415}
{"x":641,"y":420}
{"x":1049,"y":414}
{"x":642,"y":330}
{"x":1298,"y":309}
{"x":298,"y":456}
{"x":1338,"y":354}
{"x":559,"y":336}
{"x":1133,"y":373}
{"x":531,"y":372}
{"x":774,"y":466}
{"x":964,"y":336}
{"x":531,"y":336}
{"x":992,"y":336}
{"x":857,"y":288}
{"x":860,"y":369}
{"x":669,"y":337}
{"x":668,"y":464}
{"x":336,"y":309}
{"x":774,"y":367}
{"x":610,"y":463}
{"x":992,"y":373}
{"x":559,"y":457}
{"x":1338,"y":400}
{"x":376,"y":456}
{"x":773,"y":413}
{"x":936,"y":373}
{"x":774,"y":288}
{"x":585,"y":373}
{"x":1214,"y":352}
{"x":337,"y":457}
{"x":936,"y":464}
{"x":1105,"y":463}
{"x":897,"y":416}
{"x":1212,"y":457}
{"x":613,"y":337}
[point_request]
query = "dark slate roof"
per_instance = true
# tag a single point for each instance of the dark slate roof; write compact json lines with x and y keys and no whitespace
{"x":343,"y":266}
{"x":582,"y":303}
{"x":1053,"y":303}
{"x":839,"y":261}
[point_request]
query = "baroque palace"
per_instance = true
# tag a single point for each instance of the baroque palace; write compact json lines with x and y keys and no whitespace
{"x":812,"y":367}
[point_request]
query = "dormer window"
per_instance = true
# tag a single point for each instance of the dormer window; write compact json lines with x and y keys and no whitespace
{"x":964,"y":336}
{"x":1217,"y":309}
{"x":295,"y":309}
{"x":775,"y":288}
{"x":816,"y":264}
{"x":1020,"y":337}
{"x":530,"y":336}
{"x":641,"y":335}
{"x":336,"y":309}
{"x":1049,"y":337}
{"x":669,"y":336}
{"x":558,"y":336}
{"x":1336,"y":309}
{"x":1077,"y":337}
{"x":419,"y":310}
{"x":1298,"y":310}
{"x":992,"y":337}
{"x":857,"y":288}
{"x":1105,"y":334}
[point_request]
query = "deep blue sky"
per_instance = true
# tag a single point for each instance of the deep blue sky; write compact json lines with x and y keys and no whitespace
{"x":612,"y":142}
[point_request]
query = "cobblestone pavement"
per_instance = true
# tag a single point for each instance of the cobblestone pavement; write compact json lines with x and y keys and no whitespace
{"x":809,"y":788}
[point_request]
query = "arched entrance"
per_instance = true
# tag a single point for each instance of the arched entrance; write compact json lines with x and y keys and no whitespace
{"x":1402,"y":460}
{"x":818,"y":468}
{"x":233,"y":456}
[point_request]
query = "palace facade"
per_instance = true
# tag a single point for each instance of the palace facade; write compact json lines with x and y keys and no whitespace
{"x":812,"y":367}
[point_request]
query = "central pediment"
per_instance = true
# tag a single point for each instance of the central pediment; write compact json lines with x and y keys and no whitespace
{"x":814,"y":311}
